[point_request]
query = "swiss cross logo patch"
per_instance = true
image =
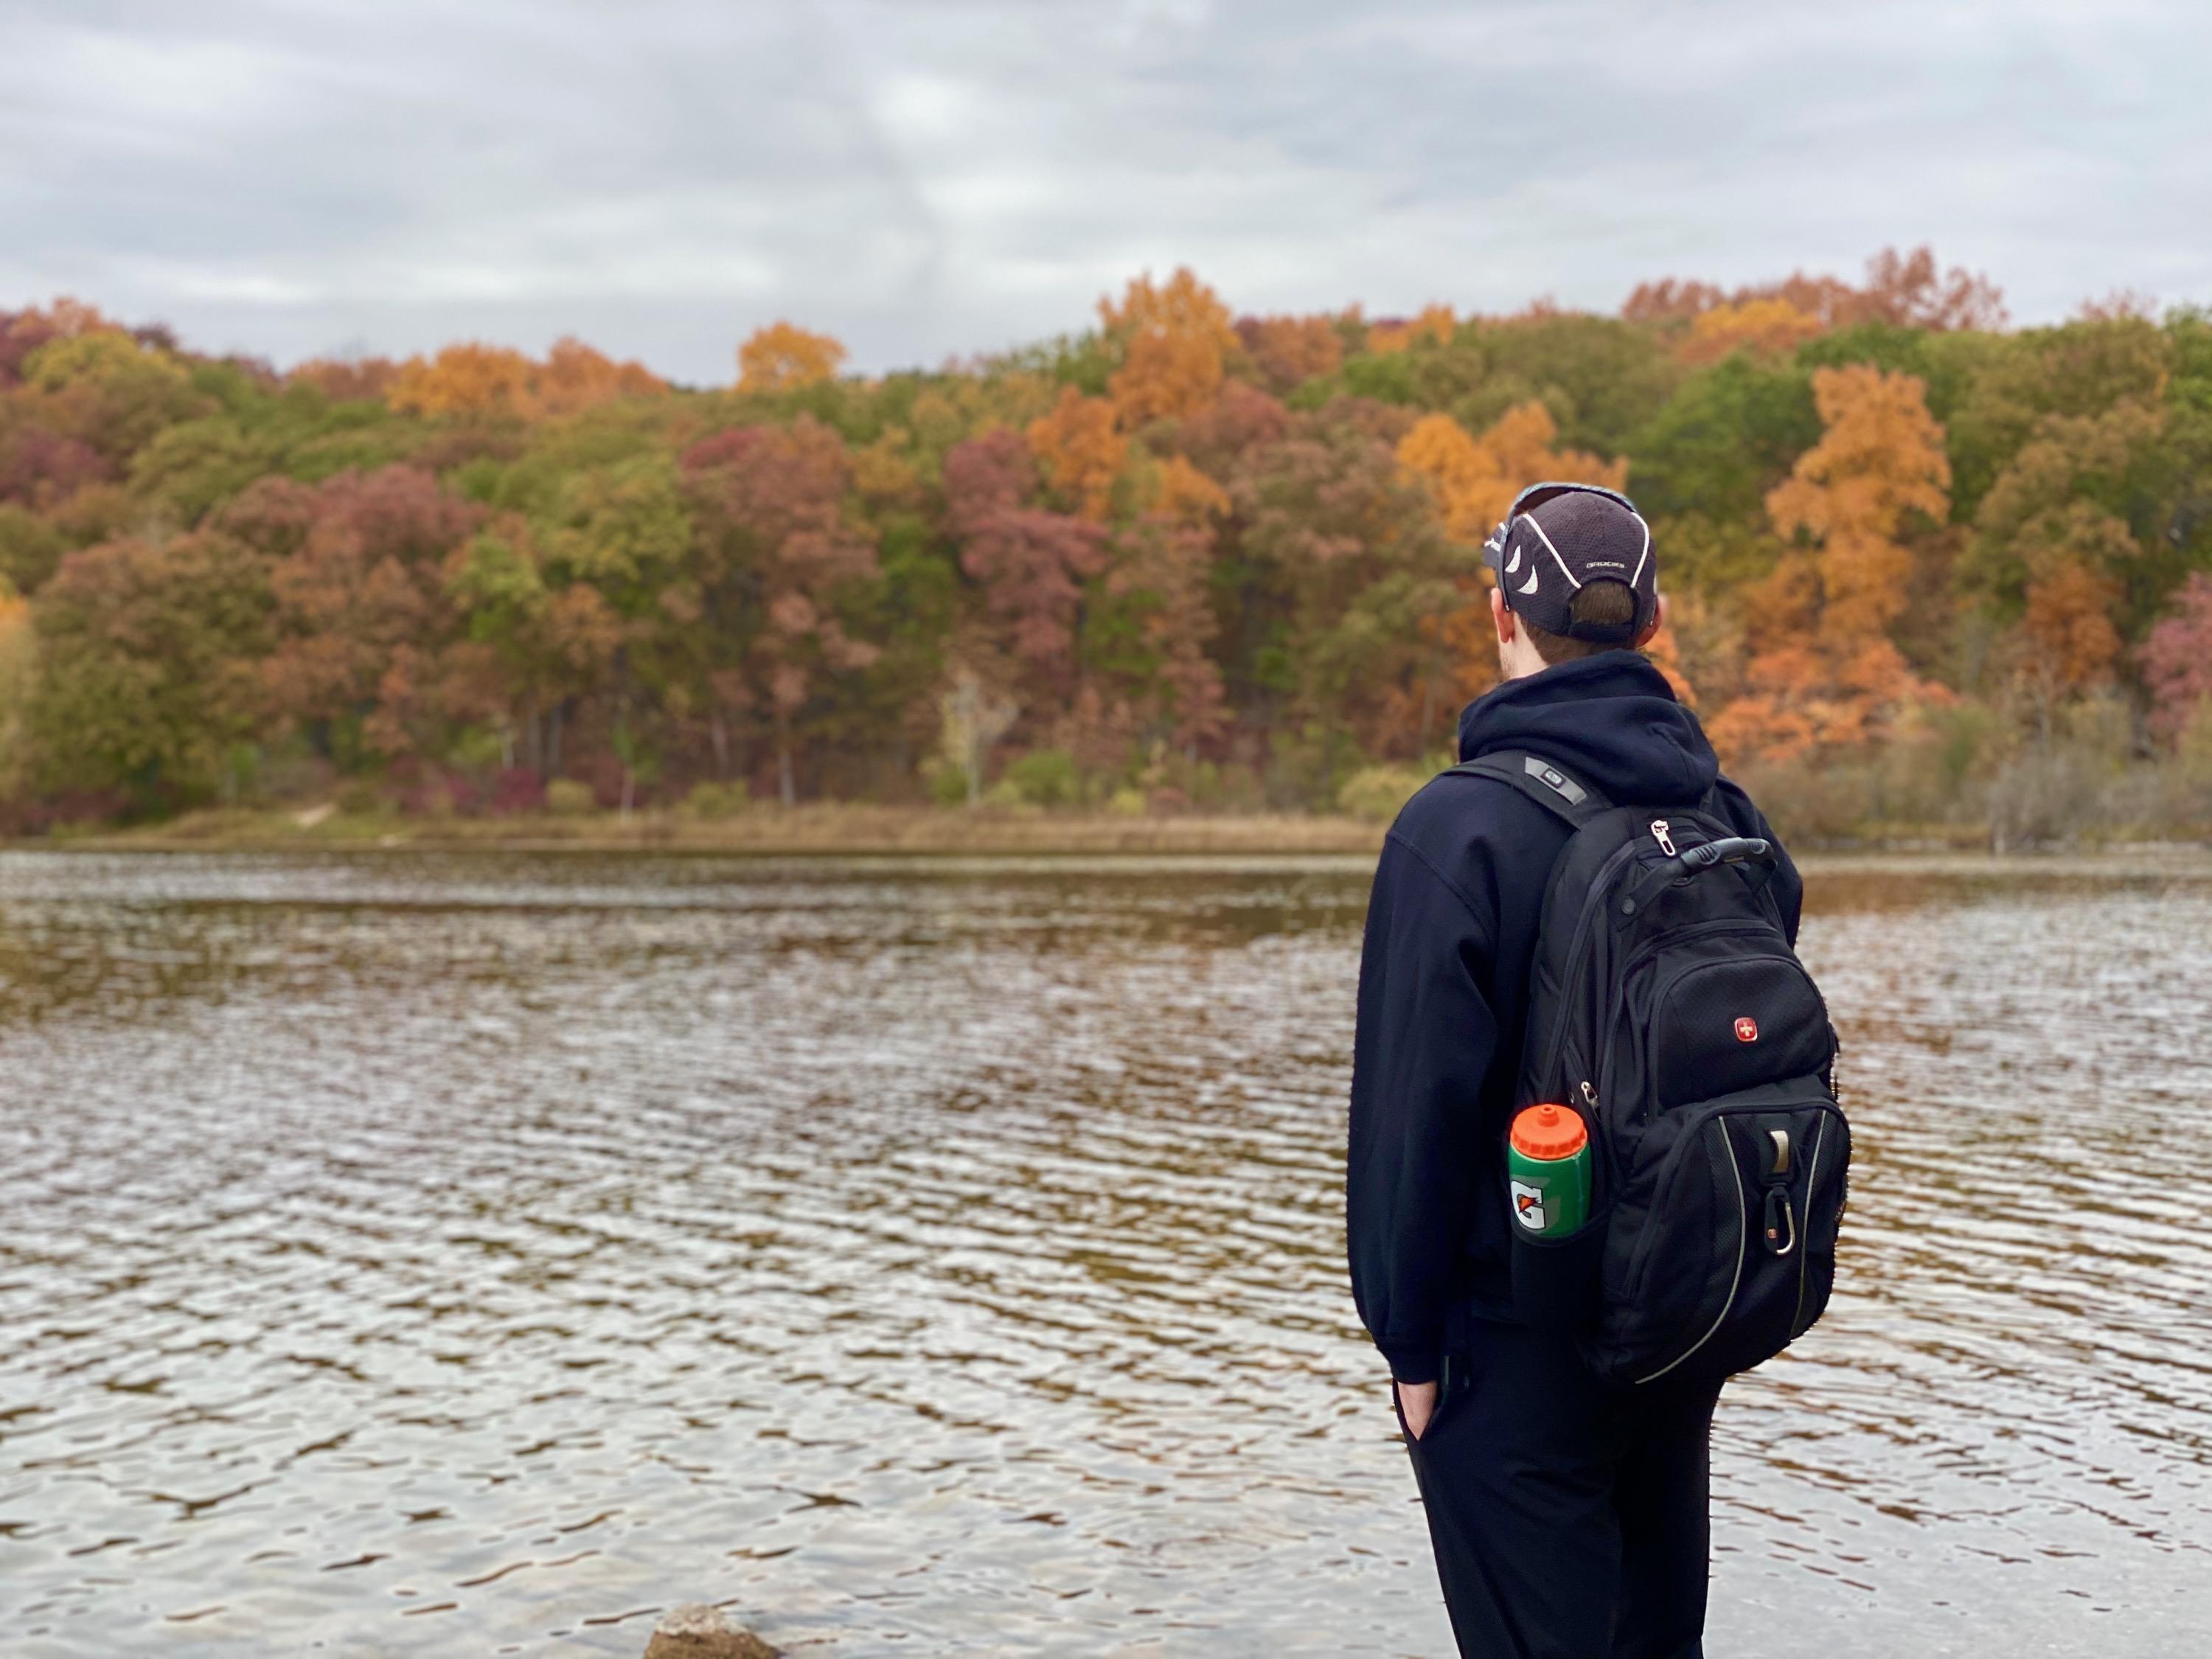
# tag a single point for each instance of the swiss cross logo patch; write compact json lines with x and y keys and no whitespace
{"x":1747,"y":1030}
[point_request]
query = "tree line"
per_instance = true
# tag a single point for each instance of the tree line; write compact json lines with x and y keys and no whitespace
{"x":1924,"y":567}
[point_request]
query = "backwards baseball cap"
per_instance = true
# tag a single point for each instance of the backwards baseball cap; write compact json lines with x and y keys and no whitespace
{"x":1559,"y":538}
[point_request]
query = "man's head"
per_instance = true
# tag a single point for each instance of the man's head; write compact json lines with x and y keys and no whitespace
{"x":1575,"y":576}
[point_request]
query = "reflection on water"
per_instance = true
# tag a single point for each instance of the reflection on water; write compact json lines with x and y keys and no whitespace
{"x":465,"y":1255}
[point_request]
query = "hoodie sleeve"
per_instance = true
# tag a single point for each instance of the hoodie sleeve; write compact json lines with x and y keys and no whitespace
{"x":1425,"y":1039}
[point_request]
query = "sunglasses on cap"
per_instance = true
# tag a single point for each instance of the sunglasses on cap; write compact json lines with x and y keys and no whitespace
{"x":1533,"y":497}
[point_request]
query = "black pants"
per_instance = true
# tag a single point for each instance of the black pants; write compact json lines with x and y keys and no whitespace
{"x":1569,"y":1517}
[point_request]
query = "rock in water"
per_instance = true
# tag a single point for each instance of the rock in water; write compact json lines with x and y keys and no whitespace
{"x":696,"y":1631}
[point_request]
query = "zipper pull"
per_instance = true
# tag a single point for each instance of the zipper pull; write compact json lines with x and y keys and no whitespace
{"x":1589,"y":1096}
{"x":1659,"y":834}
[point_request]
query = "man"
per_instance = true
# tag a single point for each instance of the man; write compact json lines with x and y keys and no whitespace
{"x":1569,"y":1517}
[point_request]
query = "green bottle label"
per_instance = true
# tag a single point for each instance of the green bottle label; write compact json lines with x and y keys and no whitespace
{"x":1551,"y":1196}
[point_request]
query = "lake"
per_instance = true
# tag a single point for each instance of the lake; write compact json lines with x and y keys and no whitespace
{"x":410,"y":1253}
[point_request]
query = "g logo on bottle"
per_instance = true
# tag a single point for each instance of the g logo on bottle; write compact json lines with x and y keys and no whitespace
{"x":1747,"y":1028}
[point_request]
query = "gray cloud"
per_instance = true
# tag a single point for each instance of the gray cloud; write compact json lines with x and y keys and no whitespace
{"x":925,"y":179}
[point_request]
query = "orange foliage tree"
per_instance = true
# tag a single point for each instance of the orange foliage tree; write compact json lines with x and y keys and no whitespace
{"x":783,"y":357}
{"x":1174,"y":337}
{"x":1081,"y":452}
{"x":1473,"y":481}
{"x":1824,"y":672}
{"x":1768,"y":327}
{"x":1434,"y":324}
{"x":1187,"y":496}
{"x":466,"y":379}
{"x":1286,"y":350}
{"x":2068,"y":630}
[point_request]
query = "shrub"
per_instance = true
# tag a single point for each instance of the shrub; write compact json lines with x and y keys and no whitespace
{"x":1126,"y":803}
{"x":1376,"y":793}
{"x":948,"y":784}
{"x":712,"y":801}
{"x":1044,"y":777}
{"x":515,"y":789}
{"x":2047,"y":797}
{"x":567,"y":798}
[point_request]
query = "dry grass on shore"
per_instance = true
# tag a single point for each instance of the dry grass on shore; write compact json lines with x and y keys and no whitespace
{"x":825,"y":828}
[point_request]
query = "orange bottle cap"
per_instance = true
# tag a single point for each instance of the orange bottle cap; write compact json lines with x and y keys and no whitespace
{"x":1549,"y":1133}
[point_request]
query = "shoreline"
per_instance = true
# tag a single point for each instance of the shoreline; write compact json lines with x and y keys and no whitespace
{"x":829,"y":830}
{"x":855,"y":831}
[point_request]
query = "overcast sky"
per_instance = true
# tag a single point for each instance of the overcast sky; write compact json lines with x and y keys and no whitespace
{"x":661,"y":176}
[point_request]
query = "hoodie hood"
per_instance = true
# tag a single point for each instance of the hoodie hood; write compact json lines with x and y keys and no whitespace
{"x":1610,"y":721}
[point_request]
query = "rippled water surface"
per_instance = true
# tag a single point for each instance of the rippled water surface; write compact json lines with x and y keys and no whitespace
{"x":412,"y":1254}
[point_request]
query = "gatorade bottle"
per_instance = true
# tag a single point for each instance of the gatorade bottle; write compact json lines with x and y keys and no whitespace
{"x":1548,"y":1170}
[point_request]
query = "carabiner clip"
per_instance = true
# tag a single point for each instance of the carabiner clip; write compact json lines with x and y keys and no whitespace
{"x":1781,"y":1223}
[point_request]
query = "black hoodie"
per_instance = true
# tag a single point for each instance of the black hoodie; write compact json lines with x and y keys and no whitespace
{"x":1451,"y":929}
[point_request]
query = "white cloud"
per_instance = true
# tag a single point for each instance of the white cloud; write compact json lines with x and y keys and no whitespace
{"x":928,"y":180}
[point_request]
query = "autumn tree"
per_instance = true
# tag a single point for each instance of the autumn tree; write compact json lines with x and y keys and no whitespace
{"x":1286,"y":351}
{"x":466,"y":379}
{"x":1475,"y":479}
{"x":1031,"y":564}
{"x":1332,"y":522}
{"x":2177,"y":659}
{"x":1769,"y":327}
{"x":1082,"y":454}
{"x":22,"y":332}
{"x":2071,"y":644}
{"x":1434,"y":325}
{"x":1824,"y":671}
{"x":347,"y":380}
{"x":1160,"y":577}
{"x":1174,"y":339}
{"x":536,"y":641}
{"x":357,"y":580}
{"x":783,"y":357}
{"x":773,"y":501}
{"x":147,"y":667}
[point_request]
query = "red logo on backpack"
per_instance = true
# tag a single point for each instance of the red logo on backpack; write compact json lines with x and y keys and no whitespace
{"x":1747,"y":1030}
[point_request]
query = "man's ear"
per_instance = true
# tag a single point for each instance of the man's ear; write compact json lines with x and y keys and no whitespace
{"x":1501,"y":616}
{"x":1658,"y":622}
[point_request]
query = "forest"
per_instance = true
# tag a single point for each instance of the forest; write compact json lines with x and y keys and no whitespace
{"x":1929,"y":575}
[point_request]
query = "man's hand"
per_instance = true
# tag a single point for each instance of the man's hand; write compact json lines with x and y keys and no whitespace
{"x":1417,"y":1403}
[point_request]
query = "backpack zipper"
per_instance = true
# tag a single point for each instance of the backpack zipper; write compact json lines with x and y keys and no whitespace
{"x":1659,"y":834}
{"x":1591,"y":901}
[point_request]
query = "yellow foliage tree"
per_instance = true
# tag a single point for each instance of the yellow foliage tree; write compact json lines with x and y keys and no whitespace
{"x":473,"y":378}
{"x":783,"y":357}
{"x":1474,"y":480}
{"x":1436,"y":323}
{"x":1824,"y":672}
{"x":1768,"y":326}
{"x":1187,"y":495}
{"x":1175,"y":337}
{"x":467,"y":379}
{"x":1082,"y":454}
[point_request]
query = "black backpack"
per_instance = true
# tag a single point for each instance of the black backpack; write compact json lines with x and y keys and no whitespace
{"x":1668,"y":1009}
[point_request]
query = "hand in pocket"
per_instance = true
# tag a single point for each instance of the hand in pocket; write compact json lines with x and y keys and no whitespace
{"x":1417,"y":1404}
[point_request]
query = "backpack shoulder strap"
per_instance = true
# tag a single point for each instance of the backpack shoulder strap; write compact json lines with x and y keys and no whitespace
{"x":1547,"y":785}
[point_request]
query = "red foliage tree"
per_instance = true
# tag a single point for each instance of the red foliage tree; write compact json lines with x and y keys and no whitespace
{"x":773,"y":498}
{"x":2177,"y":658}
{"x":1030,"y":562}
